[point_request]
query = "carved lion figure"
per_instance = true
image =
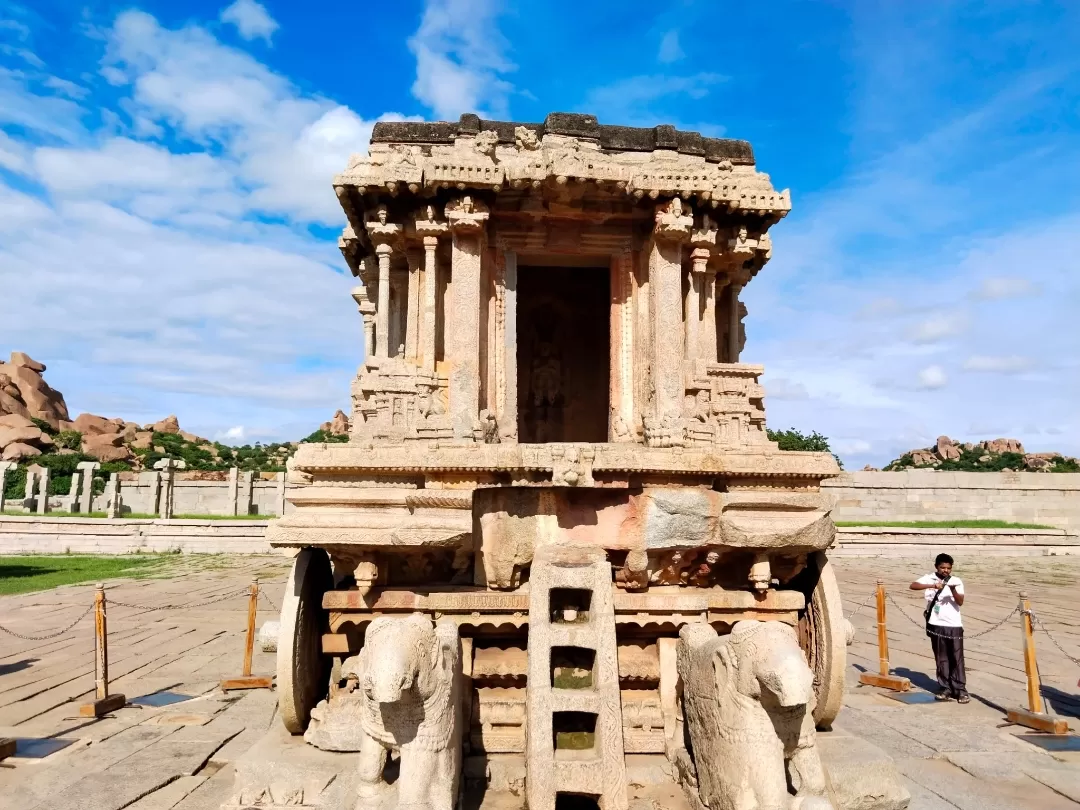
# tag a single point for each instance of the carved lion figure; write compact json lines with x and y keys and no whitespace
{"x":409,"y":684}
{"x":748,"y":698}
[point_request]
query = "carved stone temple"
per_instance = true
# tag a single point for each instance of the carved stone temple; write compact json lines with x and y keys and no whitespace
{"x":559,"y":564}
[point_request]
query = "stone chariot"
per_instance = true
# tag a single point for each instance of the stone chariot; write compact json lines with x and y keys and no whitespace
{"x":559,"y":553}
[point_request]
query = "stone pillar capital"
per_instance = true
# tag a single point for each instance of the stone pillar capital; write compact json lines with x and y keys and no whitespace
{"x":674,"y":221}
{"x":466,"y":215}
{"x":381,"y":231}
{"x":428,"y":227}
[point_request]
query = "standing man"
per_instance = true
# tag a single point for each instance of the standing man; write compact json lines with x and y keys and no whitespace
{"x":944,"y":596}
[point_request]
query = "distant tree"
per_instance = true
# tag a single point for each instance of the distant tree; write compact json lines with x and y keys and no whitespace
{"x":792,"y":439}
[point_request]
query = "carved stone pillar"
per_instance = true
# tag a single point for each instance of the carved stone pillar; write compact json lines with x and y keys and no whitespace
{"x":430,"y":230}
{"x":733,"y":323}
{"x":385,"y":235}
{"x":508,"y":417}
{"x":700,"y":315}
{"x":412,"y":307}
{"x":367,"y":317}
{"x":467,"y":219}
{"x":382,"y":311}
{"x":665,"y":276}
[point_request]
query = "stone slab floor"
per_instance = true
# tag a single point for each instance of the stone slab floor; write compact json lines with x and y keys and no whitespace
{"x":181,"y":755}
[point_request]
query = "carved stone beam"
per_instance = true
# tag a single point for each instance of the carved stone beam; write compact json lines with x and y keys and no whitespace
{"x":674,"y":223}
{"x":385,"y":236}
{"x":467,"y":219}
{"x":429,"y":230}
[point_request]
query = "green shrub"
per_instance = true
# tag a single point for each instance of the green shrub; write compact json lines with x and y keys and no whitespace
{"x":320,"y":436}
{"x":44,"y":426}
{"x":68,"y":439}
{"x":792,"y":439}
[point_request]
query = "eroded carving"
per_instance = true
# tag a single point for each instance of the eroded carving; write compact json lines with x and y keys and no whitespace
{"x":749,"y":701}
{"x":409,"y":684}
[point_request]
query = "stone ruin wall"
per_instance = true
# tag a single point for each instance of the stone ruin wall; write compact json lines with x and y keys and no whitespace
{"x":1052,"y":499}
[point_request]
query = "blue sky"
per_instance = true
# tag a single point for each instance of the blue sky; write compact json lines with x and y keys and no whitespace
{"x":167,"y":225}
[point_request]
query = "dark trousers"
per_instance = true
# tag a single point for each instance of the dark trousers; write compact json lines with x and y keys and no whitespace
{"x":948,"y":644}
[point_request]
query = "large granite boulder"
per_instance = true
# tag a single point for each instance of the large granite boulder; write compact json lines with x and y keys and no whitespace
{"x":35,"y":398}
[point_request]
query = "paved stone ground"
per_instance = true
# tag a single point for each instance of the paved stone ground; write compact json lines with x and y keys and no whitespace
{"x":181,"y":756}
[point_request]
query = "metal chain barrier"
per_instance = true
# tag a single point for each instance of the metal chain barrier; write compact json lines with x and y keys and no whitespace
{"x":214,"y":601}
{"x":866,"y":602}
{"x":1050,"y":636}
{"x":270,"y":601}
{"x":48,"y":636}
{"x":922,"y":625}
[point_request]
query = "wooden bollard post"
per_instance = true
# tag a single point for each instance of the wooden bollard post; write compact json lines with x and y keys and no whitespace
{"x":1034,"y":716}
{"x":882,"y":678}
{"x":247,"y":680}
{"x":103,"y":702}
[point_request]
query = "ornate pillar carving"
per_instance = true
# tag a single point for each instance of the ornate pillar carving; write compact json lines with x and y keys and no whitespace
{"x":733,"y":323}
{"x":699,"y":303}
{"x":467,"y":219}
{"x":367,"y":317}
{"x":412,"y":307}
{"x":385,"y":236}
{"x":428,"y":229}
{"x":673,"y":225}
{"x":508,"y":385}
{"x":621,"y":422}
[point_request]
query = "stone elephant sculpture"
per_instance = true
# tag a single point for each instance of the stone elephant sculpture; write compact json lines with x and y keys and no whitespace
{"x":409,"y":686}
{"x":748,"y":699}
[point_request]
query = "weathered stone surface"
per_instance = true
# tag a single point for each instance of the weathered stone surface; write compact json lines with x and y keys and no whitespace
{"x":24,"y":360}
{"x":16,"y":451}
{"x":268,"y":635}
{"x":860,"y":775}
{"x":170,"y":424}
{"x":338,"y":426}
{"x":89,"y":424}
{"x":749,"y":701}
{"x":37,"y":398}
{"x":25,"y":434}
{"x":106,"y":447}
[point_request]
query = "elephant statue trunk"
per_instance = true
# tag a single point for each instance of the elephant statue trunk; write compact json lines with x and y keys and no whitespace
{"x":784,"y":675}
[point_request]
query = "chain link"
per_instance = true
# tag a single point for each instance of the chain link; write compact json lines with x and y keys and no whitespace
{"x":1053,"y":640}
{"x":214,"y":601}
{"x":866,"y":602}
{"x":262,"y":593}
{"x":82,"y":616}
{"x":922,"y":625}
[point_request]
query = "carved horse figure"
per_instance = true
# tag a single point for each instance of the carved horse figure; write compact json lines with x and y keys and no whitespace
{"x":409,"y":679}
{"x":749,"y":702}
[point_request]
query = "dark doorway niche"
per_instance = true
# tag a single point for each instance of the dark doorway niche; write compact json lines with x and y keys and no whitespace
{"x":563,"y":354}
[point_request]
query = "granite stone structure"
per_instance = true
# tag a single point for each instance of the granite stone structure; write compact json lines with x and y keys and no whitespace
{"x":556,"y":448}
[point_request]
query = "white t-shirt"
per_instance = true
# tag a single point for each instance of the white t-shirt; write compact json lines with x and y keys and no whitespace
{"x":946,"y":612}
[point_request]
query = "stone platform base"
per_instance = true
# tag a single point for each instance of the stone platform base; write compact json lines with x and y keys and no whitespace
{"x":282,"y":771}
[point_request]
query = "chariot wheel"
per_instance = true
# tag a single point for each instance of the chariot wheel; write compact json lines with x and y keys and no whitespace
{"x":303,"y":672}
{"x":823,"y":636}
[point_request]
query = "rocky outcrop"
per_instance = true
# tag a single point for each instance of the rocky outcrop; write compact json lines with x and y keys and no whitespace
{"x":170,"y":424}
{"x":24,"y":392}
{"x":338,"y":426}
{"x":994,"y":455}
{"x":106,"y":447}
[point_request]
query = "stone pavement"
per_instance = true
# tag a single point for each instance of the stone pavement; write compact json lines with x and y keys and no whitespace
{"x":181,"y":756}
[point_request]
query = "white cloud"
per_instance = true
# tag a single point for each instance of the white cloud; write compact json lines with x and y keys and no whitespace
{"x":461,"y":58}
{"x":670,"y":50}
{"x":1010,"y":364}
{"x":781,"y":388}
{"x":932,"y":378}
{"x":938,"y":327}
{"x":642,"y":100}
{"x":233,"y":434}
{"x":993,"y":289}
{"x":164,"y":285}
{"x":251,"y":19}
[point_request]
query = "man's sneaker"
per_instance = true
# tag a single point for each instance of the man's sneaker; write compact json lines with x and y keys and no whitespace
{"x":963,"y":699}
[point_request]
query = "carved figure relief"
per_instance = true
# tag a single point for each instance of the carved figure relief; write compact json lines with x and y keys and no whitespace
{"x":409,"y":683}
{"x":748,"y":698}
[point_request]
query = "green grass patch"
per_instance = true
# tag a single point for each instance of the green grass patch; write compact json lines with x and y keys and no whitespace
{"x":56,"y":514}
{"x":945,"y":524}
{"x":25,"y":573}
{"x":224,"y":517}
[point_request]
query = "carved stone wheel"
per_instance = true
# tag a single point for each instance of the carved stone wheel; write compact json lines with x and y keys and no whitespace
{"x":303,"y":672}
{"x":823,"y":636}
